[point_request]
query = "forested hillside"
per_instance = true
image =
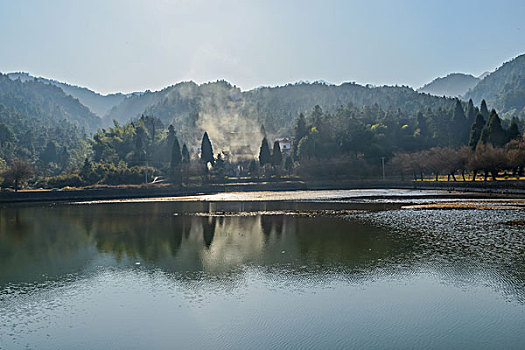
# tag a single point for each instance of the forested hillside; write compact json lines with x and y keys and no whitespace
{"x":453,"y":85}
{"x":193,"y":108}
{"x":46,"y":102}
{"x":97,"y":103}
{"x":504,"y":89}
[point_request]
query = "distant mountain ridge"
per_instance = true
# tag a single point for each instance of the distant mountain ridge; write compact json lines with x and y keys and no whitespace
{"x":46,"y":102}
{"x":453,"y":85}
{"x":504,"y":88}
{"x":97,"y":103}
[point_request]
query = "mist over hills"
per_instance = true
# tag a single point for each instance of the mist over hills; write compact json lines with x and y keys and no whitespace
{"x":453,"y":85}
{"x":191,"y":108}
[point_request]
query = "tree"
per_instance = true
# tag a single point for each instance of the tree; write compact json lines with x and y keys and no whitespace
{"x":493,"y":132}
{"x":476,"y":130}
{"x":140,"y":144}
{"x":18,"y":172}
{"x":484,"y":110}
{"x":277,"y":157}
{"x":300,"y":131}
{"x":471,"y":112}
{"x":265,"y":156}
{"x":458,"y":129}
{"x":316,"y":116}
{"x":49,"y":155}
{"x":515,"y":153}
{"x":206,"y":150}
{"x":6,"y":135}
{"x":489,"y":159}
{"x":219,"y":165}
{"x":288,"y":164}
{"x":253,"y":168}
{"x":185,"y":154}
{"x":176,"y":157}
{"x":513,"y":133}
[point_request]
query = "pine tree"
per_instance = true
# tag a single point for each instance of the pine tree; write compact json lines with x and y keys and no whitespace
{"x":458,"y":129}
{"x":484,"y":110}
{"x":206,"y":150}
{"x":185,"y":155}
{"x":300,"y":131}
{"x":493,"y":133}
{"x":140,"y":144}
{"x":49,"y":155}
{"x":288,"y":164}
{"x":316,"y":117}
{"x":277,"y":157}
{"x":475,"y":130}
{"x":176,"y":157}
{"x":171,"y":136}
{"x":471,"y":112}
{"x":513,"y":133}
{"x":264,"y":153}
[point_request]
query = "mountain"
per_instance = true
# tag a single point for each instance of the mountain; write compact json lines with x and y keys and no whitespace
{"x":503,"y":89}
{"x":97,"y":103}
{"x":46,"y":102}
{"x":41,"y":124}
{"x":453,"y":85}
{"x":221,"y":108}
{"x":133,"y":105}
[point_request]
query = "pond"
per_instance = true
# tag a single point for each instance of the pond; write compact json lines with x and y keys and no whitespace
{"x":354,"y":269}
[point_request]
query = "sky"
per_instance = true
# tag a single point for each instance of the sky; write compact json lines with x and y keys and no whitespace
{"x":134,"y":45}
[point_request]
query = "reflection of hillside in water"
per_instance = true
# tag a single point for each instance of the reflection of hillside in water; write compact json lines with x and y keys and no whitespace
{"x":39,"y":243}
{"x":47,"y":242}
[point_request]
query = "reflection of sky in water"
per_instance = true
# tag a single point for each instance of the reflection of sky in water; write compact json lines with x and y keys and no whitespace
{"x":133,"y":275}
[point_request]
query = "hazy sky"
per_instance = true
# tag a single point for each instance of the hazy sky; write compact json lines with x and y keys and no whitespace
{"x":130,"y":45}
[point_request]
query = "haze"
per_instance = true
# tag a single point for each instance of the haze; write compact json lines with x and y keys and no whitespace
{"x":126,"y":46}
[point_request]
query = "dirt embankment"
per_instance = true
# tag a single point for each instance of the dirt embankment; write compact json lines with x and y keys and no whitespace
{"x":121,"y":192}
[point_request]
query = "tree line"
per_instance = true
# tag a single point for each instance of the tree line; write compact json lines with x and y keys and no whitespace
{"x":346,"y":143}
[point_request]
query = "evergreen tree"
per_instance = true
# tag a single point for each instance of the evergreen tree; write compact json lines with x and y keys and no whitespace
{"x":264,"y":153}
{"x":49,"y":155}
{"x":219,"y":165}
{"x":288,"y":164}
{"x":171,"y":136}
{"x":458,"y":129}
{"x":422,"y":131}
{"x":6,"y":135}
{"x":316,"y":117}
{"x":277,"y":157}
{"x":513,"y":133}
{"x":140,"y":144}
{"x":484,"y":110}
{"x":475,"y":130}
{"x":471,"y":112}
{"x":493,"y":132}
{"x":185,"y":154}
{"x":300,"y":130}
{"x":206,"y":150}
{"x":167,"y":146}
{"x":176,"y":157}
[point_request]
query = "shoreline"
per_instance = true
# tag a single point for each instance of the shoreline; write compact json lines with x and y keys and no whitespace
{"x":502,"y":189}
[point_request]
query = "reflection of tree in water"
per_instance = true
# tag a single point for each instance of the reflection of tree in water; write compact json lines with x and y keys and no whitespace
{"x":39,"y":243}
{"x":51,"y":241}
{"x":272,"y":224}
{"x":146,"y":236}
{"x":208,"y":230}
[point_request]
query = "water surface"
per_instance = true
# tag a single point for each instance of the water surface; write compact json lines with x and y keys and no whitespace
{"x":307,"y":273}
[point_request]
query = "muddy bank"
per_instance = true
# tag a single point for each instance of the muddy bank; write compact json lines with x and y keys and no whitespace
{"x":483,"y":189}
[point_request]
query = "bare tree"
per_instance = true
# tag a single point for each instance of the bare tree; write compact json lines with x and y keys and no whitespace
{"x":18,"y":173}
